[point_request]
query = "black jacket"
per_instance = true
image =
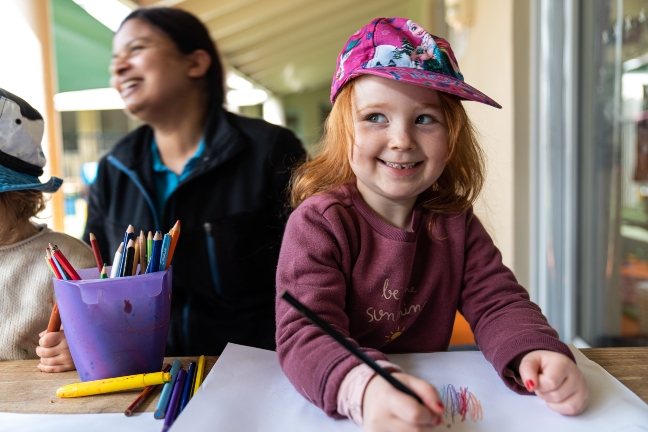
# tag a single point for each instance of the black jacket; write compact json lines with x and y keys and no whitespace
{"x":239,"y":188}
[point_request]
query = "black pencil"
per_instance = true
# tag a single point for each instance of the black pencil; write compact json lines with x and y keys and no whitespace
{"x":127,"y":270}
{"x":348,"y":345}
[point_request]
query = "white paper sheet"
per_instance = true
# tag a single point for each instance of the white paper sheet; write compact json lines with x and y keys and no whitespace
{"x":142,"y":422}
{"x":247,"y":391}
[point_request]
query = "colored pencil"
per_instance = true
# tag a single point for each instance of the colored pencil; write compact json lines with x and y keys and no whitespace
{"x":175,"y":234}
{"x":149,"y":247}
{"x":58,"y":255}
{"x":175,"y":400}
{"x":142,"y":251}
{"x":50,"y":261}
{"x":310,"y":315}
{"x":54,"y":324}
{"x":115,"y":267}
{"x":130,"y":233}
{"x":142,"y":396}
{"x":62,"y":272}
{"x":104,"y":272}
{"x":95,"y":251}
{"x":163,"y":401}
{"x":127,"y":270}
{"x":200,"y":370}
{"x":154,"y":261}
{"x":188,"y":387}
{"x":136,"y":257}
{"x":164,"y":252}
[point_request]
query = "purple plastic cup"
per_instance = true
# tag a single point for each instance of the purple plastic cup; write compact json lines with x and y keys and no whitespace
{"x":115,"y":327}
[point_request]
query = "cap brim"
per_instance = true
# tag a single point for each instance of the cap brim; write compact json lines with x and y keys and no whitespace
{"x":429,"y":79}
{"x":11,"y":180}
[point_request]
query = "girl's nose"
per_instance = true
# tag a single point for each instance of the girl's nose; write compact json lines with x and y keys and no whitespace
{"x":401,"y":139}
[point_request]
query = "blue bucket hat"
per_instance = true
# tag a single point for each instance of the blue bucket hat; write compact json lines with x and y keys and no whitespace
{"x":21,"y":155}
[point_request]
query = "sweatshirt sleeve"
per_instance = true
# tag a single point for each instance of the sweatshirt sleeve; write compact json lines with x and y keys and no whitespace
{"x":315,"y":267}
{"x":505,"y":322}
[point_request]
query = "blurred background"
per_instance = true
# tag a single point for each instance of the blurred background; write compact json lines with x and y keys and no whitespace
{"x":566,"y":199}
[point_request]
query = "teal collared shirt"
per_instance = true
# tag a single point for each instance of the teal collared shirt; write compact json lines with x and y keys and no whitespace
{"x":166,"y":181}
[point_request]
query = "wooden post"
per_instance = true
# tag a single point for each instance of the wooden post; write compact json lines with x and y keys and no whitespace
{"x":38,"y":16}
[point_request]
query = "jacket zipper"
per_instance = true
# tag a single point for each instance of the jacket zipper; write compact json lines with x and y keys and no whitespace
{"x":133,"y":176}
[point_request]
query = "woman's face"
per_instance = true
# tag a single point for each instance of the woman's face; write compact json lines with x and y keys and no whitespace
{"x":148,"y":70}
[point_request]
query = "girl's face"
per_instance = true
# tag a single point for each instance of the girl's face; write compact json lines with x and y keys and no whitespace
{"x":147,"y":69}
{"x":401,"y":141}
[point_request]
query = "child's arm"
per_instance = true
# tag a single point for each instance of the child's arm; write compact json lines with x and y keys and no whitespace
{"x":506,"y":324}
{"x":54,"y":352}
{"x":556,"y":379}
{"x":314,"y":266}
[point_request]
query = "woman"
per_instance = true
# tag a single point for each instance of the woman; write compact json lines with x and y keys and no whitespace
{"x":223,"y":176}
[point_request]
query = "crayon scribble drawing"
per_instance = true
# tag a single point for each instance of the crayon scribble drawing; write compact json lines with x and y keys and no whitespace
{"x":461,"y":404}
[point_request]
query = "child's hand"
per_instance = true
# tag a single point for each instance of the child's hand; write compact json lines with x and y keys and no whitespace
{"x":54,"y":352}
{"x":388,"y":409}
{"x":555,"y":379}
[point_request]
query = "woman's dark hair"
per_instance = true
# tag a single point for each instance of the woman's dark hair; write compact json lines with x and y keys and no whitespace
{"x":189,"y":35}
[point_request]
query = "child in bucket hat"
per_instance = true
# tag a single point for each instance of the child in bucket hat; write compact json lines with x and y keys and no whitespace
{"x":26,"y":291}
{"x":384,"y":244}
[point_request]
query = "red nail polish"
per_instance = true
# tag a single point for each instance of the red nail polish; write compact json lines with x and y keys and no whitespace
{"x":440,"y":405}
{"x":530,"y":385}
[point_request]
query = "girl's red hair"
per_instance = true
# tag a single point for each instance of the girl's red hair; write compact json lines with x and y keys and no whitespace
{"x":456,"y":189}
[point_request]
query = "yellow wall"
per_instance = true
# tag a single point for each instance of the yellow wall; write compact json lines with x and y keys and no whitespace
{"x":496,"y":63}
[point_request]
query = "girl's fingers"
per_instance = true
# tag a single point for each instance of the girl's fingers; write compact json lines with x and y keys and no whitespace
{"x":411,"y":411}
{"x":428,"y":395}
{"x":573,"y":405}
{"x":53,"y":339}
{"x":57,"y":368}
{"x":51,"y":361}
{"x":530,"y":369}
{"x":40,"y":335}
{"x":47,"y":352}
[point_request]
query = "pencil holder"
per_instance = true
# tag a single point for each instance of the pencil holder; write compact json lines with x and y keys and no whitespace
{"x":115,"y":327}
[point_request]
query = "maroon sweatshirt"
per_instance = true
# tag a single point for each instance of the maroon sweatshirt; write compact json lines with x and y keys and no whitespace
{"x":394,"y":291}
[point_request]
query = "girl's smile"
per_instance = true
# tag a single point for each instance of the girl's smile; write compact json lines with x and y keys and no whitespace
{"x":400,"y":147}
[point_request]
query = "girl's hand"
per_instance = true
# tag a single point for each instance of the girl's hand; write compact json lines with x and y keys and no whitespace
{"x":555,"y":379}
{"x":54,"y":352}
{"x":388,"y":409}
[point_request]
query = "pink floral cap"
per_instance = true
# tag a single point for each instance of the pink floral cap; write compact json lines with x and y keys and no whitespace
{"x":400,"y":49}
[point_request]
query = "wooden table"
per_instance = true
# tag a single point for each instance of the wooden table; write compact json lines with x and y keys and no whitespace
{"x":24,"y":389}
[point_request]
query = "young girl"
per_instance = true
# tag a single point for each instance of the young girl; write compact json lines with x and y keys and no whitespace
{"x":384,"y":246}
{"x":26,"y":291}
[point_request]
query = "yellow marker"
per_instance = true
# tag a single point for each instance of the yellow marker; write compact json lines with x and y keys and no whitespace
{"x":110,"y":385}
{"x":200,"y":371}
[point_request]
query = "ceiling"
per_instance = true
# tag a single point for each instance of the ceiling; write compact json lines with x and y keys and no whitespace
{"x":290,"y":46}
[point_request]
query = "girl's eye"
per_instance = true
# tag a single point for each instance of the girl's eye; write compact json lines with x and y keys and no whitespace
{"x":376,"y":118}
{"x":136,"y":48}
{"x":425,"y":119}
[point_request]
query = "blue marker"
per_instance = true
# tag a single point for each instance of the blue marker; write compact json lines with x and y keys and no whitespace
{"x":163,"y":402}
